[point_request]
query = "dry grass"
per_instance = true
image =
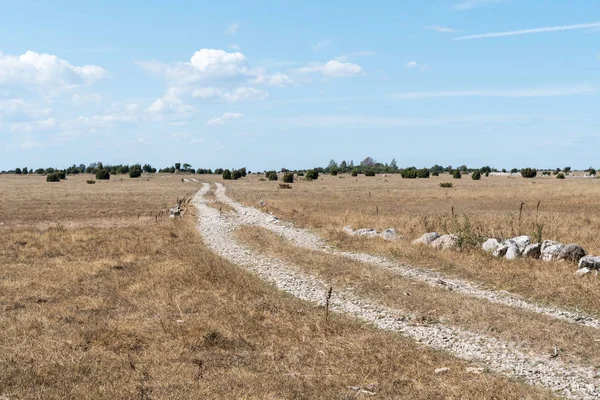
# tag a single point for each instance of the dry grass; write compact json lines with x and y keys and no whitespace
{"x":110,"y":306}
{"x":430,"y":304}
{"x":567,"y":213}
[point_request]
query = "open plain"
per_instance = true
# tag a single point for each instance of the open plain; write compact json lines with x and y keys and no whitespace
{"x":104,"y":296}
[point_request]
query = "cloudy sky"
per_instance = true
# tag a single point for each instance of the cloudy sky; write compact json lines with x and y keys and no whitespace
{"x":271,"y":84}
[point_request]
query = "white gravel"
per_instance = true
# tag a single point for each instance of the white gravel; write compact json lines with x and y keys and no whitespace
{"x":571,"y":381}
{"x":304,"y":238}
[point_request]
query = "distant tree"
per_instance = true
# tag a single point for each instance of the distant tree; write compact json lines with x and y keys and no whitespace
{"x":135,"y":171}
{"x":312,"y":174}
{"x":288,"y":177}
{"x":393,"y":165}
{"x":560,"y":175}
{"x":354,"y":172}
{"x":177,"y":166}
{"x":476,"y":175}
{"x":423,"y":173}
{"x":186,"y":166}
{"x":463,"y":168}
{"x":18,"y":171}
{"x":333,"y":171}
{"x":456,"y":174}
{"x":271,"y":175}
{"x":528,"y":172}
{"x":102,"y":174}
{"x":485,"y":169}
{"x":40,"y":171}
{"x":343,"y":166}
{"x":351,"y":165}
{"x":148,"y":168}
{"x":53,"y":177}
{"x":236,"y":174}
{"x":504,"y":170}
{"x":25,"y":171}
{"x":370,"y":172}
{"x":332,"y":164}
{"x":367,"y":162}
{"x":227,"y":174}
{"x":514,"y":171}
{"x":591,"y":171}
{"x":567,"y":170}
{"x":61,"y":174}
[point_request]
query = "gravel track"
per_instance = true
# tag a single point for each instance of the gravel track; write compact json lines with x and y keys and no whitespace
{"x":306,"y":239}
{"x":571,"y":381}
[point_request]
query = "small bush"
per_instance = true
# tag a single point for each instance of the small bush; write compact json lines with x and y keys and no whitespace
{"x":456,"y":174}
{"x":102,"y":174}
{"x":300,"y":174}
{"x":354,"y":172}
{"x":370,"y":173}
{"x":333,"y":172}
{"x":135,"y":172}
{"x":272,"y":175}
{"x":262,"y":180}
{"x":90,"y":181}
{"x":61,"y":174}
{"x":476,"y":175}
{"x":435,"y":173}
{"x":423,"y":173}
{"x":592,"y":171}
{"x":409,"y":173}
{"x":288,"y":177}
{"x":312,"y":174}
{"x":227,"y":174}
{"x":446,"y":184}
{"x":53,"y":177}
{"x":236,"y":174}
{"x":560,"y":176}
{"x":528,"y":172}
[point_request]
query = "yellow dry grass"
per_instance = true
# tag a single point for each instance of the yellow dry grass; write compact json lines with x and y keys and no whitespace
{"x":567,"y":213}
{"x":98,"y":303}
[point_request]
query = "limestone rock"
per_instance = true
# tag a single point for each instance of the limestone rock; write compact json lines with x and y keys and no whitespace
{"x":503,"y":248}
{"x":547,"y":243}
{"x":583,"y":271}
{"x":522,"y":242}
{"x":445,"y":242}
{"x":490,"y":245}
{"x":512,"y":252}
{"x":550,"y":253}
{"x":366,"y":232}
{"x":533,"y":251}
{"x":426,"y":238}
{"x":590,"y":262}
{"x":572,"y":252}
{"x":389,"y":235}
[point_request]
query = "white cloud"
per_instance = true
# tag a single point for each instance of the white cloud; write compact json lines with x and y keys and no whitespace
{"x":85,"y":98}
{"x":333,"y":68}
{"x":239,"y":94}
{"x":235,"y":47}
{"x":530,"y":31}
{"x":278,"y":79}
{"x":46,"y":71}
{"x":441,"y":29}
{"x":19,"y":110}
{"x":535,"y":92}
{"x":470,"y":4}
{"x":410,"y":64}
{"x":221,"y":120}
{"x":232,"y":29}
{"x":323,"y":44}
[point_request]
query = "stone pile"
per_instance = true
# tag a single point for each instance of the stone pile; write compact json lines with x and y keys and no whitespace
{"x":389,"y":234}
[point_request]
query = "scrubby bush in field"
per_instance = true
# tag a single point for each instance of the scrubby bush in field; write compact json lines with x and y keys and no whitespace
{"x":446,"y":184}
{"x":333,"y":171}
{"x":560,"y":176}
{"x":514,"y":171}
{"x":423,"y":173}
{"x":312,"y":174}
{"x":40,"y":171}
{"x":409,"y":173}
{"x":135,"y":171}
{"x":271,"y":175}
{"x":370,"y":173}
{"x":300,"y":173}
{"x":528,"y":172}
{"x":53,"y":177}
{"x":61,"y":174}
{"x":288,"y":177}
{"x":354,"y":172}
{"x":435,"y":173}
{"x":456,"y":174}
{"x":590,"y":171}
{"x":18,"y":171}
{"x":476,"y":175}
{"x":236,"y":174}
{"x":227,"y":174}
{"x":102,"y":174}
{"x":90,"y":181}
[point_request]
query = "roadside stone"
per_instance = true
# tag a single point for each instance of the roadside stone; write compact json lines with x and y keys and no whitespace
{"x":533,"y":251}
{"x":503,"y":248}
{"x":445,"y":242}
{"x":348,"y":230}
{"x":426,"y":238}
{"x":547,"y":243}
{"x":490,"y":245}
{"x":590,"y":262}
{"x":389,"y":235}
{"x":512,"y":252}
{"x":583,"y":271}
{"x":522,"y":242}
{"x":175,"y":211}
{"x":551,"y":253}
{"x":441,"y":371}
{"x":366,"y":232}
{"x":476,"y":371}
{"x":572,"y":252}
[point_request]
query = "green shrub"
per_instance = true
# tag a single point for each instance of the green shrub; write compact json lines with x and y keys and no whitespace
{"x":288,"y":177}
{"x":560,"y":176}
{"x":312,"y":174}
{"x":435,"y":173}
{"x":409,"y":173}
{"x":90,"y":181}
{"x":423,"y":173}
{"x":271,"y":175}
{"x":102,"y":174}
{"x":236,"y":174}
{"x":53,"y":177}
{"x":370,"y":173}
{"x":300,"y":173}
{"x":476,"y":175}
{"x":61,"y":174}
{"x":528,"y":172}
{"x":456,"y":174}
{"x":135,"y":171}
{"x":514,"y":171}
{"x":591,"y":171}
{"x":227,"y":175}
{"x":354,"y":172}
{"x":446,"y":184}
{"x":333,"y":172}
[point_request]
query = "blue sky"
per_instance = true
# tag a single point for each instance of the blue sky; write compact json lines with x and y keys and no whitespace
{"x":271,"y":84}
